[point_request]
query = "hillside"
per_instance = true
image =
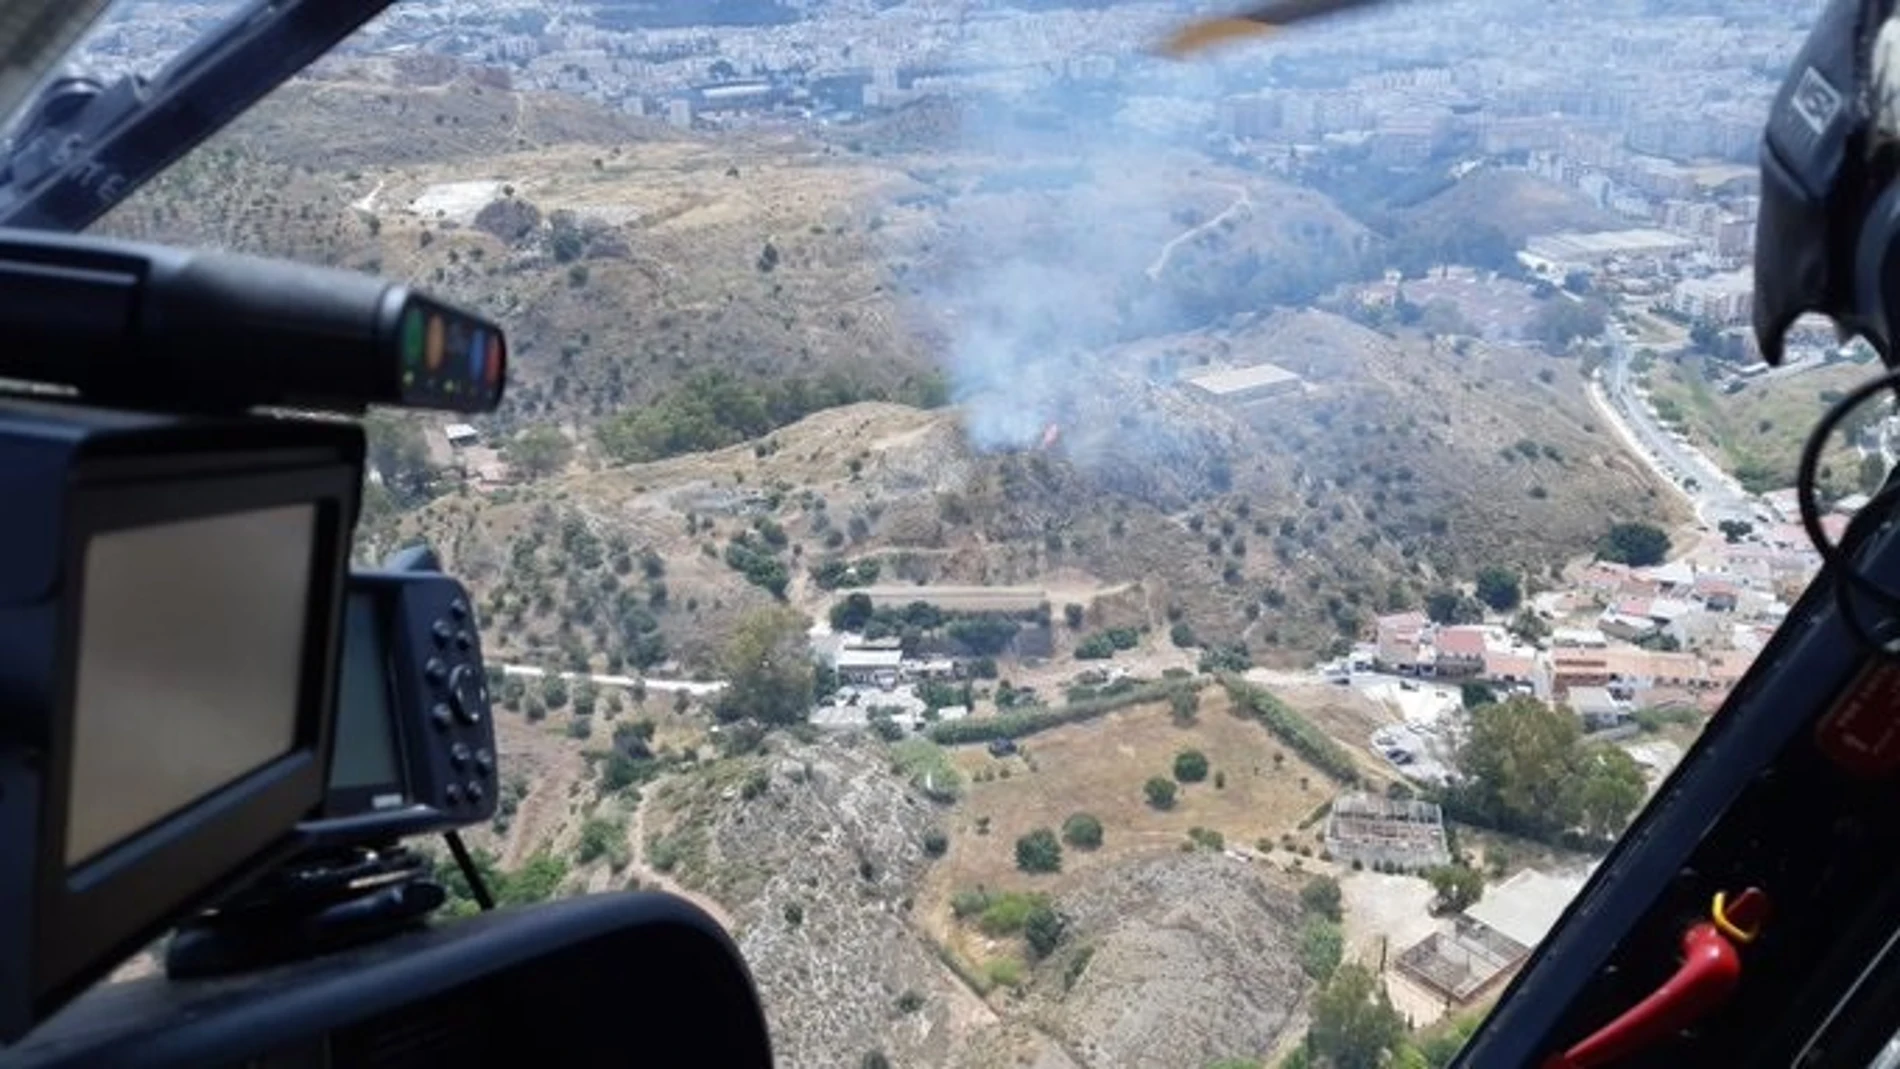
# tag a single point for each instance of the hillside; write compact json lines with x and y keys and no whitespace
{"x":1757,"y":433}
{"x":819,"y":856}
{"x":621,"y":256}
{"x":698,"y":294}
{"x":1283,"y":523}
{"x":1516,"y":203}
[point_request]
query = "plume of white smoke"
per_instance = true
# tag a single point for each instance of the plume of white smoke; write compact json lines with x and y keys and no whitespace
{"x":1056,"y":234}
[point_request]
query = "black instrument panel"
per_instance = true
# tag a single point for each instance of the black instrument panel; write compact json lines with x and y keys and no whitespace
{"x":598,"y":980}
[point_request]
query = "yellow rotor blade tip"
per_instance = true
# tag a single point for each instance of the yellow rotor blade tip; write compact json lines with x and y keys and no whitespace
{"x":1199,"y":36}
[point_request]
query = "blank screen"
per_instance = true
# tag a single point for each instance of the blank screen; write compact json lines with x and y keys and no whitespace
{"x":365,"y":738}
{"x":191,"y":639}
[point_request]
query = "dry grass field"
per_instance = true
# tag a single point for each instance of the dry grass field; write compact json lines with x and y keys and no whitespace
{"x":1099,"y":767}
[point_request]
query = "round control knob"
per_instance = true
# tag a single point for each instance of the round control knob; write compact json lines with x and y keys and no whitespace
{"x":458,"y":754}
{"x":435,"y":671}
{"x":464,"y":641}
{"x":453,"y":793}
{"x":442,"y":631}
{"x":458,"y":609}
{"x":474,"y":792}
{"x":484,"y":760}
{"x":465,"y":694}
{"x":440,"y":716}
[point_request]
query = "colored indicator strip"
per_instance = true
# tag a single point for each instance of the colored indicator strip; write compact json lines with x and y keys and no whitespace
{"x":433,"y":348}
{"x":492,"y":374}
{"x":412,"y":337}
{"x":477,"y":353}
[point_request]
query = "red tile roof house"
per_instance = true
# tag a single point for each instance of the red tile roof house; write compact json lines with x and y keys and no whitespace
{"x":1399,"y":641}
{"x":1460,"y":650}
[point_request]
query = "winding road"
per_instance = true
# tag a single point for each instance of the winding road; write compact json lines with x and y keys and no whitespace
{"x":1715,"y":494}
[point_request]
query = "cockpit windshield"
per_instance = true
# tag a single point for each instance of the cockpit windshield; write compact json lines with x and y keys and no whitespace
{"x":1077,"y":556}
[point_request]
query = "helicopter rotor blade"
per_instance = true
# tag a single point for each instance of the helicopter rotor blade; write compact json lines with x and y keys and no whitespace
{"x":1203,"y":34}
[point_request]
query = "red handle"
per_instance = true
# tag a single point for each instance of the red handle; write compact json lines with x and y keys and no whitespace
{"x":1711,"y":968}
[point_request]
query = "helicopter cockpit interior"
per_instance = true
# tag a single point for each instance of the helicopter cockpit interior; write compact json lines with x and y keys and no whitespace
{"x":1750,"y":917}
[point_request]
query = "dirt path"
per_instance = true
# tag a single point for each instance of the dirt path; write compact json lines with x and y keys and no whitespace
{"x":367,"y":202}
{"x":1243,"y":201}
{"x":550,"y":766}
{"x":654,"y":879}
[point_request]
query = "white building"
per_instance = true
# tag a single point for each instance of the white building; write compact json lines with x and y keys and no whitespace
{"x":1246,"y":383}
{"x":865,"y":666}
{"x":1720,"y":299}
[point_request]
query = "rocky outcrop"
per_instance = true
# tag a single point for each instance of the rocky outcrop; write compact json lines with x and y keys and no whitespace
{"x":819,"y":867}
{"x":511,"y":219}
{"x":1190,"y":958}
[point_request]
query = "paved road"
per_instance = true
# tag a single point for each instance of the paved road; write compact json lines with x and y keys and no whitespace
{"x":692,"y":687}
{"x":1716,"y":496}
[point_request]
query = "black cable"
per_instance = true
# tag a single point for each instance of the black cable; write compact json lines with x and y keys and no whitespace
{"x":1838,"y":557}
{"x":467,"y":864}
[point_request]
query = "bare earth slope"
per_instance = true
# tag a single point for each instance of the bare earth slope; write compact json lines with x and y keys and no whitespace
{"x":818,"y":867}
{"x":1194,"y":961}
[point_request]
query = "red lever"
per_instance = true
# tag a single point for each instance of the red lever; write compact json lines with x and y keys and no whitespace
{"x":1710,"y":971}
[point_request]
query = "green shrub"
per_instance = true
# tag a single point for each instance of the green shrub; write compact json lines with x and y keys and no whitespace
{"x":1082,"y":830}
{"x":1190,"y":766}
{"x":1160,"y":792}
{"x":1007,"y":913}
{"x":1321,"y":897}
{"x":602,"y":837}
{"x":1039,"y":851}
{"x":1006,"y":972}
{"x":1043,"y":930}
{"x":1322,"y":945}
{"x":968,"y":903}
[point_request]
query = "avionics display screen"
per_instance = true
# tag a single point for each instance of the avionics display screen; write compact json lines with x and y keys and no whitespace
{"x":365,"y":753}
{"x":191,"y":640}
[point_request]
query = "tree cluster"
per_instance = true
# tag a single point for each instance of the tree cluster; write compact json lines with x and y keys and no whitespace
{"x":833,"y":574}
{"x":1560,"y":321}
{"x":539,"y":451}
{"x":1452,"y":607}
{"x":975,"y":634}
{"x":1525,"y":769}
{"x":1103,"y":644}
{"x":768,"y":669}
{"x":714,"y":409}
{"x":1499,"y":588}
{"x":1322,"y":940}
{"x":1636,"y":544}
{"x":1355,"y":1025}
{"x":755,"y":557}
{"x":1457,"y":886}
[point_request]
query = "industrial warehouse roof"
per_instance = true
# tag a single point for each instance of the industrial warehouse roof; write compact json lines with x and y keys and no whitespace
{"x":1732,"y":283}
{"x":1526,"y":906}
{"x":1242,"y":379}
{"x":1574,"y":247}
